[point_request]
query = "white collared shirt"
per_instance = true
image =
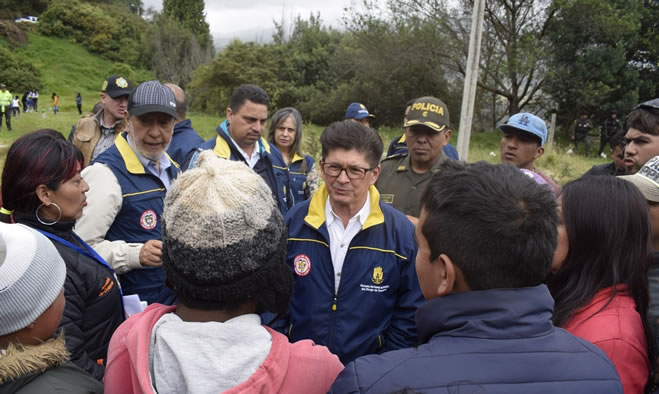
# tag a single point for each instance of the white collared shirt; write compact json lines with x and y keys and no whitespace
{"x":251,"y":160}
{"x":341,"y":237}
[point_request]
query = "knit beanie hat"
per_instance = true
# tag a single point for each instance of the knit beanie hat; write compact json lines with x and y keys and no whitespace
{"x":32,"y":275}
{"x":224,"y":239}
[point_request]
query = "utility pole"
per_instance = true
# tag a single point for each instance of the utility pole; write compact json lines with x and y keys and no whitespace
{"x":471,"y":79}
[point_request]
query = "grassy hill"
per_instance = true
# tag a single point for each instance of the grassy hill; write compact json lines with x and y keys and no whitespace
{"x":68,"y":68}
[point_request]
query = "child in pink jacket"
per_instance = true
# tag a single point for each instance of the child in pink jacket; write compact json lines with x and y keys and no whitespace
{"x":224,"y":252}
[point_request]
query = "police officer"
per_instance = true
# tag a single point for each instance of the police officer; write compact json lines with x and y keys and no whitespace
{"x":404,"y":176}
{"x":5,"y":106}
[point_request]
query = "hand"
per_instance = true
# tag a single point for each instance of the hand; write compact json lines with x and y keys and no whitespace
{"x":151,"y":253}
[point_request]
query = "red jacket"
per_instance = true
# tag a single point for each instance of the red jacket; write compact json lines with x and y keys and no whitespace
{"x":301,"y":367}
{"x":618,"y":330}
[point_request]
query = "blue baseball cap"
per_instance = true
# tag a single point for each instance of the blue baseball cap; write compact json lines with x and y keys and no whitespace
{"x":357,"y":111}
{"x":527,"y":122}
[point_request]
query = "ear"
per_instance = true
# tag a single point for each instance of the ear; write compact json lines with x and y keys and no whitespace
{"x":539,"y":152}
{"x":375,"y":173}
{"x":229,"y":112}
{"x":44,"y":194}
{"x":448,"y":136}
{"x":447,"y":275}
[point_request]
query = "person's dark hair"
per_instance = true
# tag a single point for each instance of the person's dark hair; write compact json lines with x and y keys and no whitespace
{"x":644,"y":120}
{"x":43,"y":157}
{"x":54,"y":94}
{"x":349,"y":135}
{"x":280,"y":117}
{"x":617,"y":139}
{"x":494,"y":222}
{"x":249,"y":92}
{"x":605,"y":250}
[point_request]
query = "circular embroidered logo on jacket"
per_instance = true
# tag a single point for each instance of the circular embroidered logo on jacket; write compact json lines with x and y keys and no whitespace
{"x":302,"y":264}
{"x":148,"y":220}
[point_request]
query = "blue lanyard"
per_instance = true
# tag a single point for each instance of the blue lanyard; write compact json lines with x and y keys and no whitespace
{"x":88,"y":251}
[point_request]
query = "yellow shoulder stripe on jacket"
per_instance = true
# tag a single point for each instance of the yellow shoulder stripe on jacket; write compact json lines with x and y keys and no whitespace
{"x":378,"y":250}
{"x":221,"y":148}
{"x":307,"y":240}
{"x":131,"y":161}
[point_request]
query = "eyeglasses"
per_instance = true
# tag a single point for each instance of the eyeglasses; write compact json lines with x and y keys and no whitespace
{"x":334,"y":170}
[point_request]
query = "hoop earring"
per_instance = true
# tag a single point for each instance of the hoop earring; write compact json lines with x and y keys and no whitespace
{"x":36,"y":213}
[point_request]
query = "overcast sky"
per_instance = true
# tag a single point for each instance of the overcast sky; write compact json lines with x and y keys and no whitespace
{"x":252,"y":20}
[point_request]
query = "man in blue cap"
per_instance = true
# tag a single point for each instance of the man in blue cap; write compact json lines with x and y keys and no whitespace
{"x":357,"y":112}
{"x":524,"y":137}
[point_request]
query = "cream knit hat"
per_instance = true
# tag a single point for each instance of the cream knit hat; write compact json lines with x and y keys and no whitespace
{"x":32,"y":275}
{"x":224,"y":240}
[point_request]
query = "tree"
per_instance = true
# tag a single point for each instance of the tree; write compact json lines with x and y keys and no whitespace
{"x":172,"y":51}
{"x":190,"y":13}
{"x":590,"y":68}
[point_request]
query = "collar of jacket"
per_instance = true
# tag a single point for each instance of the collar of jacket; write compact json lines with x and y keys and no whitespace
{"x":296,"y":157}
{"x":494,"y":314}
{"x":222,"y":148}
{"x":20,"y":360}
{"x":133,"y":164}
{"x":316,"y":214}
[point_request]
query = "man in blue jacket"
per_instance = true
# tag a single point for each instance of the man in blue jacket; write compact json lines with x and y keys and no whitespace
{"x":185,"y":138}
{"x":486,"y":237}
{"x":356,"y":289}
{"x":127,"y":186}
{"x":240,"y":138}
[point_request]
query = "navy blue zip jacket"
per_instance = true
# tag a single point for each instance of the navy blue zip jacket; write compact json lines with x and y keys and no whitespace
{"x":378,"y":292}
{"x":271,"y":166}
{"x":140,"y":217}
{"x":492,"y":341}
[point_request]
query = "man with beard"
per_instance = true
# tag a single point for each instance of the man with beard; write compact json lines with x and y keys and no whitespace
{"x":128,"y":182}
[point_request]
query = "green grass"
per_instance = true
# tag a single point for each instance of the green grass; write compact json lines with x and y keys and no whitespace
{"x":483,"y":146}
{"x":67,"y":68}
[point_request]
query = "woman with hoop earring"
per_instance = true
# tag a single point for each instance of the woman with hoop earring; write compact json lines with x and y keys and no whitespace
{"x":42,"y":188}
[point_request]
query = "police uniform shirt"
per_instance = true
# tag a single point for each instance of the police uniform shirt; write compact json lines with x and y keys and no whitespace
{"x":400,"y":186}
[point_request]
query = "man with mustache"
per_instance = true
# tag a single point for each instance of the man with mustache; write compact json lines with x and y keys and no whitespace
{"x":405,"y":176}
{"x":522,"y":143}
{"x":239,"y":138}
{"x":122,"y":220}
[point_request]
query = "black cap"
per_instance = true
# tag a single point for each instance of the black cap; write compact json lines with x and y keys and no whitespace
{"x":116,"y":86}
{"x":152,"y":96}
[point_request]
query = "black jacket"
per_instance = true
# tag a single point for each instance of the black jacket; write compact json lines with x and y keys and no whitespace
{"x":93,"y":300}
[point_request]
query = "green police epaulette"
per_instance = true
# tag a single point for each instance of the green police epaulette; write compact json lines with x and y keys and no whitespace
{"x":395,"y":156}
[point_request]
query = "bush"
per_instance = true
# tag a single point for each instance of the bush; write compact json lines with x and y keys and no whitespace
{"x":17,"y":72}
{"x":111,"y":31}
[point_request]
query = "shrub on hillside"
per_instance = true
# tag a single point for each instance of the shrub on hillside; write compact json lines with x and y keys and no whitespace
{"x":111,"y":31}
{"x":17,"y":72}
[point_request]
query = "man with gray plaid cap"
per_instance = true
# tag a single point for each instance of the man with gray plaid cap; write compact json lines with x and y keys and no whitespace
{"x":127,"y":186}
